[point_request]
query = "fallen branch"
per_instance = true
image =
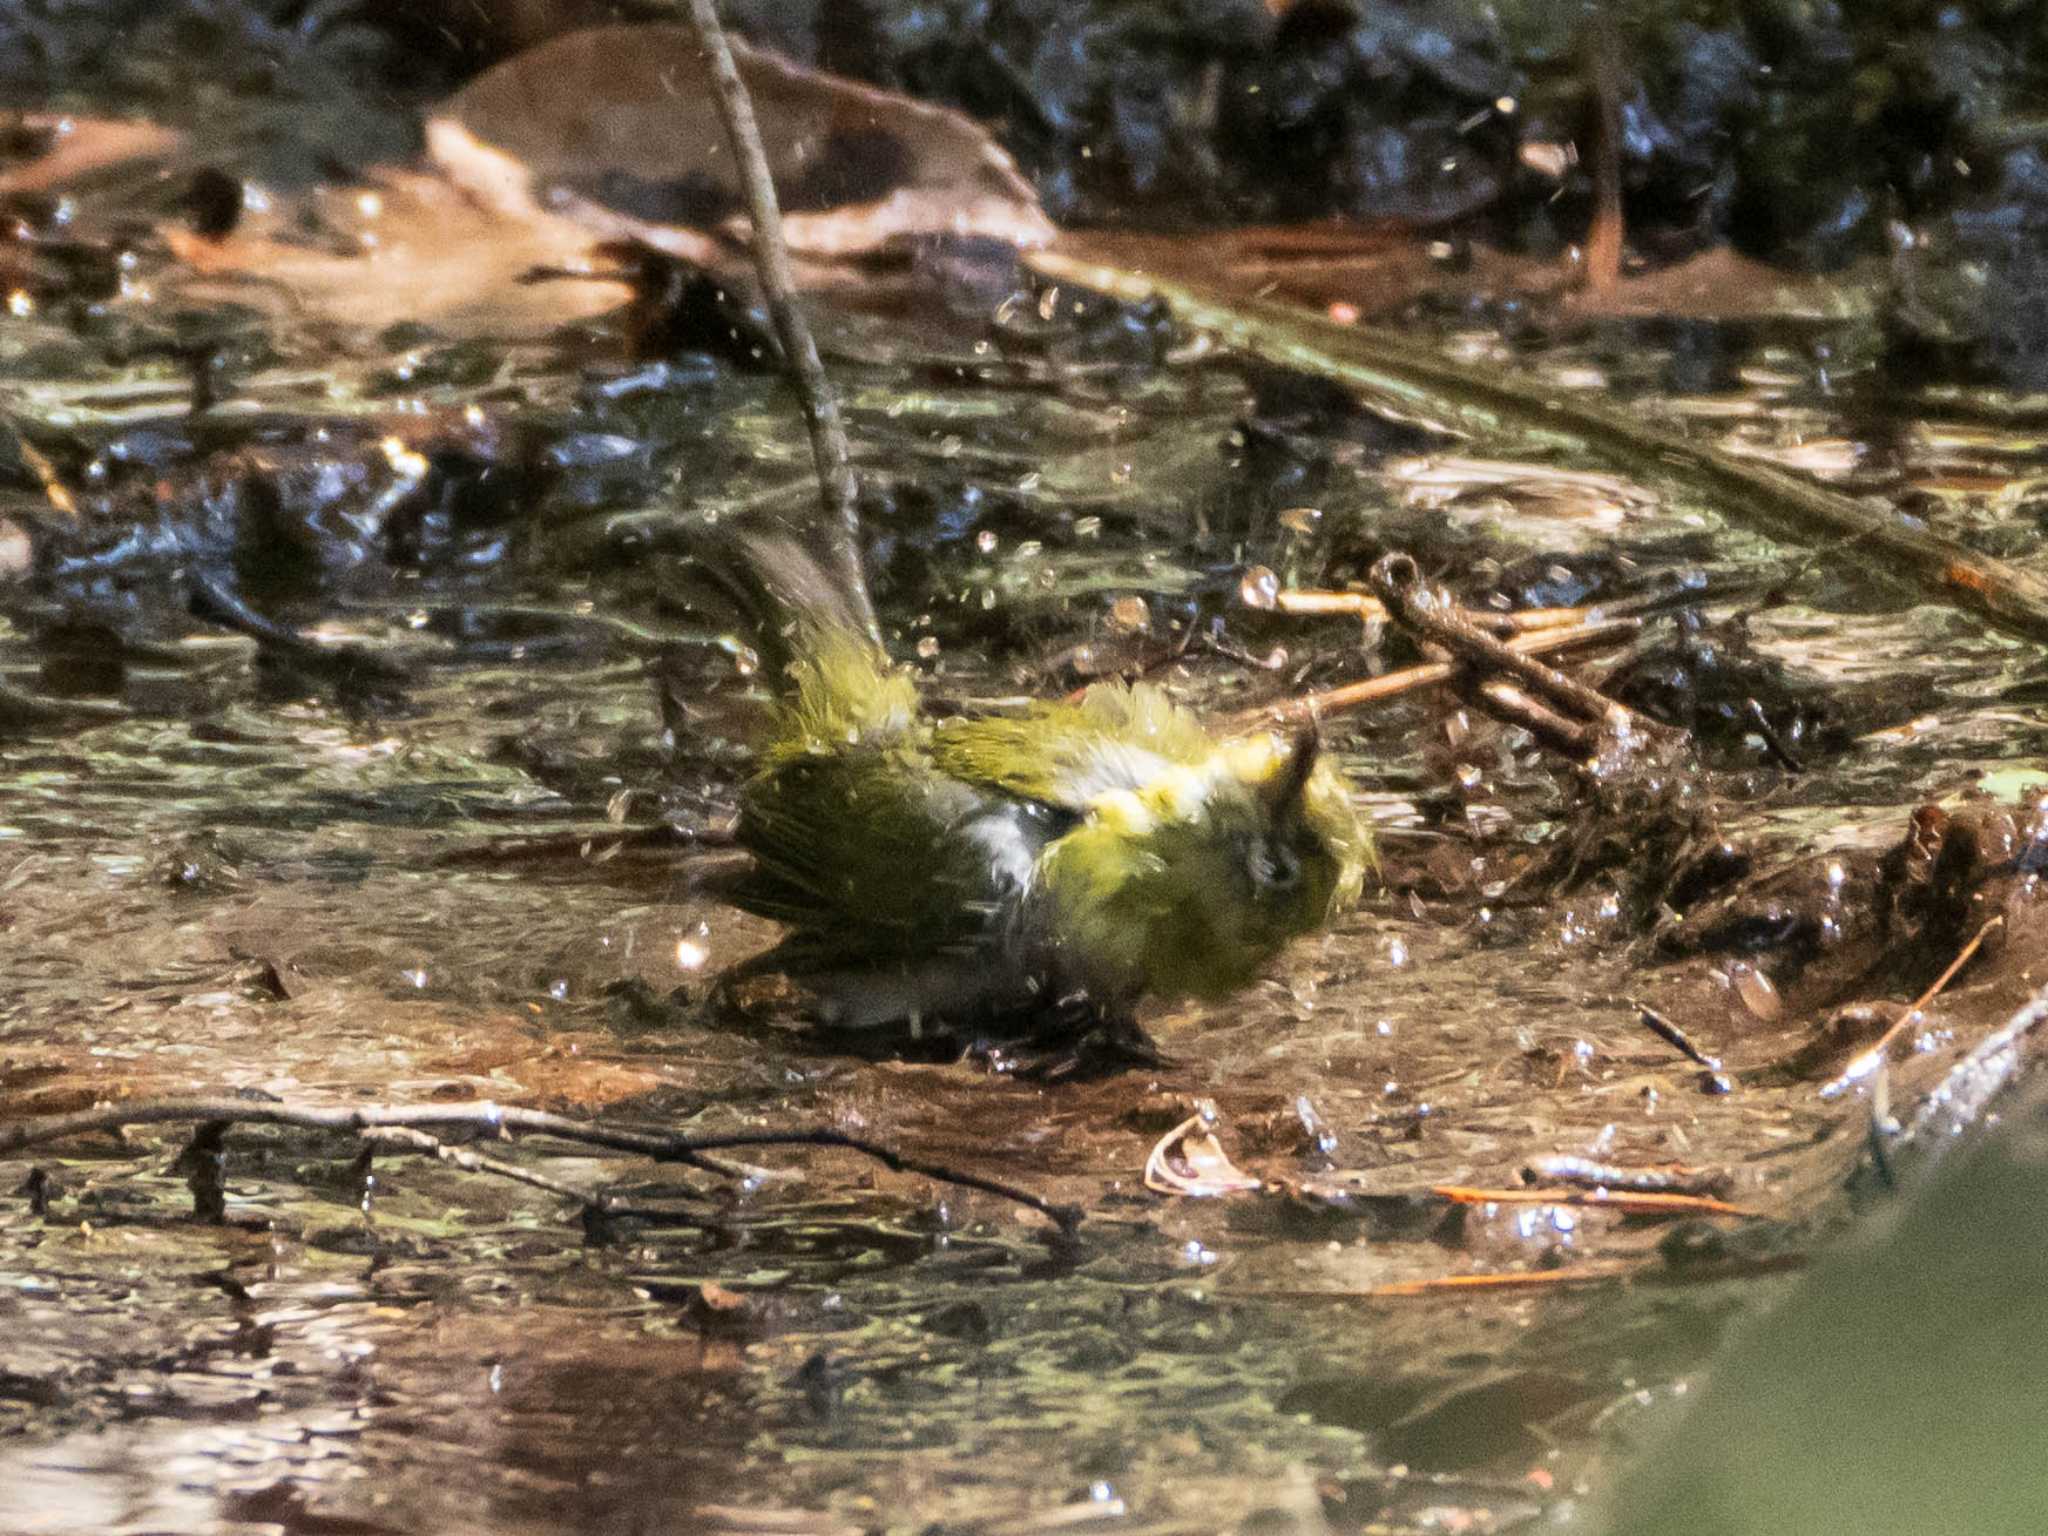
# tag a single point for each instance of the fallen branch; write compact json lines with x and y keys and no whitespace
{"x":373,"y":1121}
{"x":1416,"y":383}
{"x":1553,"y":705}
{"x":409,"y":1139}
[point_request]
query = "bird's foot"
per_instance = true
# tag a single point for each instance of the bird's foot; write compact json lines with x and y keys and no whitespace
{"x":1073,"y":1041}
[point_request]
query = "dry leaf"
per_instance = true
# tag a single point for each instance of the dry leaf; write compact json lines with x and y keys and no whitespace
{"x":1189,"y":1160}
{"x":617,"y":127}
{"x":401,"y":247}
{"x":77,"y":146}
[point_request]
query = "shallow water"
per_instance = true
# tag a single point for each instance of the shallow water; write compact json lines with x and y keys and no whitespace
{"x":275,"y":880}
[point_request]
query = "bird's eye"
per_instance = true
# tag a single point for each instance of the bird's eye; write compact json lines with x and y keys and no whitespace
{"x":1274,"y":866}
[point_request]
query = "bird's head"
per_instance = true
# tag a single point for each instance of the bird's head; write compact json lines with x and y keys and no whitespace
{"x":1187,"y":884}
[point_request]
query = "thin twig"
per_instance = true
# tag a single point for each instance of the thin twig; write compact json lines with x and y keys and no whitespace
{"x":1675,"y":1037}
{"x":415,"y":1140}
{"x":54,"y":490}
{"x":1873,"y":1058}
{"x":1604,"y":235}
{"x":1423,"y":612}
{"x":1598,"y":1272}
{"x":1591,"y":1272}
{"x":1066,"y":1216}
{"x":1573,"y":740}
{"x":838,"y":489}
{"x":504,"y":1121}
{"x":1969,"y":1085}
{"x":1374,"y":690}
{"x":1629,"y":1202}
{"x":1367,"y":609}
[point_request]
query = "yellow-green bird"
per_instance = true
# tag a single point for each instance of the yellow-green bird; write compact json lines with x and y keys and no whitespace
{"x":962,"y":870}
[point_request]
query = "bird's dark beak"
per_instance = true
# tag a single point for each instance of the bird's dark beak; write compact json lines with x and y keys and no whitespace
{"x":1288,"y":784}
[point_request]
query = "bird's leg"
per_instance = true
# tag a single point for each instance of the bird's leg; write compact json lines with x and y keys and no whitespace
{"x":1075,"y":1037}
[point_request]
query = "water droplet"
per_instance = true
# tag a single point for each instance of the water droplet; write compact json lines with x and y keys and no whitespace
{"x":1397,"y":952}
{"x":928,"y":647}
{"x":690,"y":955}
{"x":558,"y":989}
{"x":986,"y":541}
{"x":1130,"y":615}
{"x":1259,"y":589}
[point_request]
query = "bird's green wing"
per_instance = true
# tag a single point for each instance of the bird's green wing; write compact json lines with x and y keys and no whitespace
{"x":860,"y":851}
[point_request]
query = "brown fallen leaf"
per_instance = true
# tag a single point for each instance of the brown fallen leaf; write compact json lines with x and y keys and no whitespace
{"x":1189,"y":1160}
{"x":616,"y":128}
{"x":595,"y":137}
{"x":400,"y":247}
{"x":77,"y":146}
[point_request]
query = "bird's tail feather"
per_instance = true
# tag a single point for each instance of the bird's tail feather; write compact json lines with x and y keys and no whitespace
{"x":815,"y":633}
